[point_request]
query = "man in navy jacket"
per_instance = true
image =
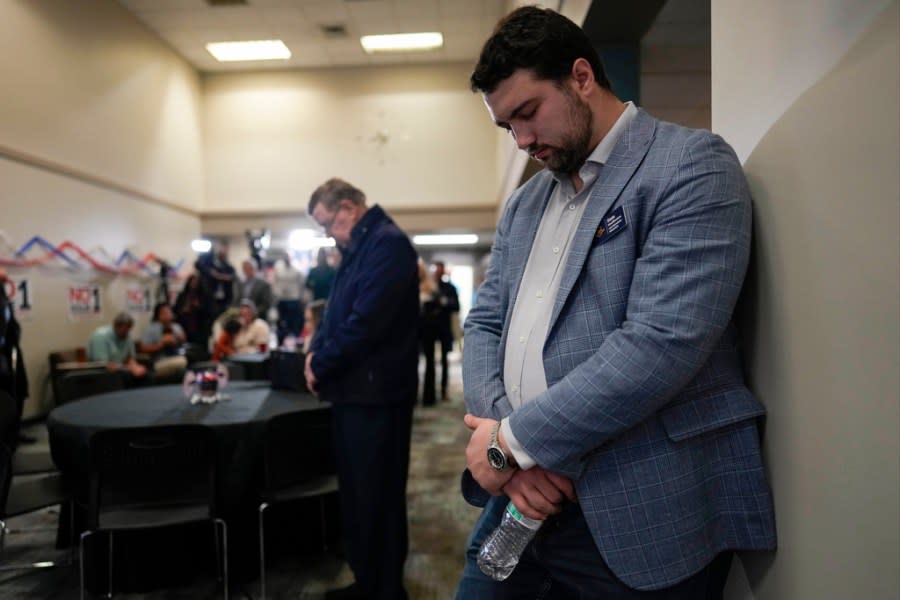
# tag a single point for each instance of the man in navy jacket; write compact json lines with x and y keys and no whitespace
{"x":364,"y":360}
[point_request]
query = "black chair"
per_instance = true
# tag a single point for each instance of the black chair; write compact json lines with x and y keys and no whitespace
{"x":203,"y":365}
{"x":19,"y":496}
{"x":194,"y":353}
{"x":254,"y":367}
{"x":298,"y":464}
{"x":152,"y":477}
{"x":287,"y":370}
{"x":79,"y":384}
{"x":74,"y":358}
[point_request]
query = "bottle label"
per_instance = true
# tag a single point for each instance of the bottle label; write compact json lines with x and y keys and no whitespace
{"x":527,"y":522}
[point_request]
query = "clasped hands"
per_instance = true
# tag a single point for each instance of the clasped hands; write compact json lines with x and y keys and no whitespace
{"x":536,"y":492}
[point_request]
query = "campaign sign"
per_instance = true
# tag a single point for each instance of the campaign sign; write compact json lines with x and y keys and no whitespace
{"x":19,"y":293}
{"x":137,"y":300}
{"x":84,"y":302}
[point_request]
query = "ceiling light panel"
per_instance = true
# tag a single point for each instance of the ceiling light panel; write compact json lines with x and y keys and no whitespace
{"x":402,"y":42}
{"x":249,"y":50}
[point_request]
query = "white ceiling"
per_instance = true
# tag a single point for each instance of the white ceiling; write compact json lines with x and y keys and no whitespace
{"x":188,"y":25}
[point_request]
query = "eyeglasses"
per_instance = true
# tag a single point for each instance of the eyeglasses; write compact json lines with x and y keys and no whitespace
{"x":328,"y":224}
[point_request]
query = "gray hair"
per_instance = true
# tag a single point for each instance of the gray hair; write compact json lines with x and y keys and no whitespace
{"x":332,"y":192}
{"x":123,"y":318}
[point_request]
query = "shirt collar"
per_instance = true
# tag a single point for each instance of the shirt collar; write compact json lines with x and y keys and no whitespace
{"x":604,"y":149}
{"x":362,"y":227}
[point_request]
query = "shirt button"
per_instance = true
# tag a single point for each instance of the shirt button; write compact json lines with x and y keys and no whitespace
{"x":540,"y":294}
{"x":555,"y":249}
{"x":522,"y":338}
{"x":515,"y":388}
{"x":571,"y":207}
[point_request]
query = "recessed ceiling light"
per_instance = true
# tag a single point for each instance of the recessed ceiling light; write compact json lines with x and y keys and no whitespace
{"x":201,"y":245}
{"x":402,"y":42}
{"x":250,"y":50}
{"x":446,"y":239}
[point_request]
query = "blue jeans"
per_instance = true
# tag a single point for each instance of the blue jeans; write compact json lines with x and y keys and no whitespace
{"x":563,"y":563}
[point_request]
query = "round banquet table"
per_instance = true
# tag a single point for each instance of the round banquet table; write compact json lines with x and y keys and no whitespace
{"x":239,"y":427}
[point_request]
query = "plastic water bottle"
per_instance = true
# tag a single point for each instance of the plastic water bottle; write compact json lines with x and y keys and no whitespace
{"x":500,"y":553}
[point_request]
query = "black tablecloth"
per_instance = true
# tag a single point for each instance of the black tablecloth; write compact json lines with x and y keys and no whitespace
{"x":239,"y":426}
{"x":239,"y":423}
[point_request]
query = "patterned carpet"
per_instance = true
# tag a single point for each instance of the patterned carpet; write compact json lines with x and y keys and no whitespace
{"x":439,"y":518}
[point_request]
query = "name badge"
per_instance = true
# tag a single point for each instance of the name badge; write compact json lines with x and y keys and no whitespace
{"x":613,"y":223}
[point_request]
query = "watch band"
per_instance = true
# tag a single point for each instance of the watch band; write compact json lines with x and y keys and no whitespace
{"x":497,"y":458}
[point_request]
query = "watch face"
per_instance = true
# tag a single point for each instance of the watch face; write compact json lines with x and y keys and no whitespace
{"x":496,"y":458}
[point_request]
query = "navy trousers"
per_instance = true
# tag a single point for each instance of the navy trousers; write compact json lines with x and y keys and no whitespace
{"x":372,"y":454}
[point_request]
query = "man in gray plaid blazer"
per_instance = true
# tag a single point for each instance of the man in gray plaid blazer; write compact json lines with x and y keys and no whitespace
{"x":601,"y":372}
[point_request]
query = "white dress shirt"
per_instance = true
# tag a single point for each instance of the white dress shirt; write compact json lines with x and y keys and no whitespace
{"x":523,"y":367}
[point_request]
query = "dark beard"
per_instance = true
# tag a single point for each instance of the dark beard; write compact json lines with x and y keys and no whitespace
{"x":569,"y":157}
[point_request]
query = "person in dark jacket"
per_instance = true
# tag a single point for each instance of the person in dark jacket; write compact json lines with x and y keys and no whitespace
{"x":364,"y":360}
{"x":13,"y":378}
{"x":448,"y":300}
{"x":429,"y":329}
{"x":193,"y":311}
{"x":321,"y":277}
{"x":218,"y":276}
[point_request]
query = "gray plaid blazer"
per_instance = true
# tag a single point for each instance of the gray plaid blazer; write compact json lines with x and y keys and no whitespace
{"x":646,"y":408}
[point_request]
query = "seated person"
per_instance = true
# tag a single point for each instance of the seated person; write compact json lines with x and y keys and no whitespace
{"x":111,"y":344}
{"x":315,"y":310}
{"x":218,"y":326}
{"x":161,"y":340}
{"x":254,"y":334}
{"x":224,"y":346}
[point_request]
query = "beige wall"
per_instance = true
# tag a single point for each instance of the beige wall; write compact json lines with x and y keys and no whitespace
{"x":410,"y":136}
{"x":675,"y":83}
{"x":765,"y":54}
{"x":100,"y":144}
{"x":821,"y":307}
{"x":480,"y":219}
{"x":85,"y":85}
{"x":675,"y":64}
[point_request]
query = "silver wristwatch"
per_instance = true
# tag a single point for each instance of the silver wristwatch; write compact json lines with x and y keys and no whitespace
{"x":497,"y":458}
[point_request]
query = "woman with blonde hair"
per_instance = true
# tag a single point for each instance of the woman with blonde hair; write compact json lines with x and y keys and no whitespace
{"x":313,"y":314}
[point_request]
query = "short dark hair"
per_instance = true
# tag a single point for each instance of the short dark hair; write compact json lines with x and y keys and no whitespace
{"x":231,"y":326}
{"x":158,"y":309}
{"x":537,"y":39}
{"x":332,"y":192}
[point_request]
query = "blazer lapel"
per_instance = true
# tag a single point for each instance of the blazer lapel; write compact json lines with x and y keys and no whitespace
{"x":615,"y":174}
